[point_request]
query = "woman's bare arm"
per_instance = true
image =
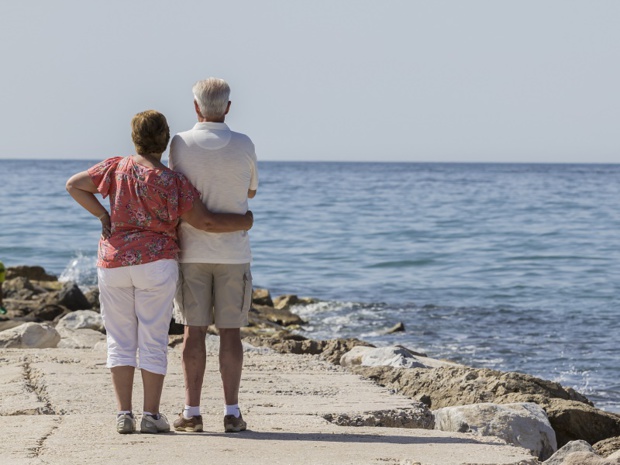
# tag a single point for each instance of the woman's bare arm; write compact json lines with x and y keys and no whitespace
{"x":82,"y":188}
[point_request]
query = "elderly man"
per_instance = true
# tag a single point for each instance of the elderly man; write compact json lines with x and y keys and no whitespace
{"x":216,"y":283}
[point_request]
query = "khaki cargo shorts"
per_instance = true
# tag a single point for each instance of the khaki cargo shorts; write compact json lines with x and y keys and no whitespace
{"x":213,"y":293}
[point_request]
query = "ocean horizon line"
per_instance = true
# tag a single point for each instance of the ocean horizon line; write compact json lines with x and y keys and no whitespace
{"x":366,"y":162}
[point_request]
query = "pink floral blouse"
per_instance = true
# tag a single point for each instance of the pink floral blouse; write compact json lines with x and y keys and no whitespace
{"x":145,"y":206}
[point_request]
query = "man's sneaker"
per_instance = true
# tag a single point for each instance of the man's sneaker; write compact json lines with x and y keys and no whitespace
{"x":125,"y":423}
{"x":193,"y":424}
{"x":232,"y":424}
{"x":154,"y":424}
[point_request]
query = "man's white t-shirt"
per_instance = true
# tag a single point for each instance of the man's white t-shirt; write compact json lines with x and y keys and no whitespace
{"x":221,"y":164}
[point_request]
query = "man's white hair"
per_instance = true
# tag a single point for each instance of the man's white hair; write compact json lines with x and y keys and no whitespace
{"x":212,"y":96}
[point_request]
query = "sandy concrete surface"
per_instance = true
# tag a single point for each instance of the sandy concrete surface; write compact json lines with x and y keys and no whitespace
{"x":57,"y":407}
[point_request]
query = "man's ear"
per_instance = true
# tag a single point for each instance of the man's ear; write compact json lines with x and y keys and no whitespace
{"x":197,"y":108}
{"x":227,"y":108}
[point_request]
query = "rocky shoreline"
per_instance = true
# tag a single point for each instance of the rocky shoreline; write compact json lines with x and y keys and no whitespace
{"x":538,"y":415}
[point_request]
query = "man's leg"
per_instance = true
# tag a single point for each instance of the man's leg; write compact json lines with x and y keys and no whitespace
{"x":232,"y":299}
{"x":194,"y":358}
{"x":194,"y":362}
{"x":231,"y":363}
{"x":194,"y":302}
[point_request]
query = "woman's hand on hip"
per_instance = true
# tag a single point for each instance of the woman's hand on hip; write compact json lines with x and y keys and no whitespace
{"x":106,"y":226}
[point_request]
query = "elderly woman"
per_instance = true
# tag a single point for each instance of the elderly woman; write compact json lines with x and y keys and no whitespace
{"x":137,"y":267}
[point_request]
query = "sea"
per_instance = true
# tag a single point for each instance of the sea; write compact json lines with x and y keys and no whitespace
{"x":514,"y":267}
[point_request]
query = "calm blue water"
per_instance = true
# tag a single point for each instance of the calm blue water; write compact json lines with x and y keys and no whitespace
{"x":506,"y":266}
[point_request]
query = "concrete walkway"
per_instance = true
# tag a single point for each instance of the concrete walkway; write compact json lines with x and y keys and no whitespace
{"x":57,"y":407}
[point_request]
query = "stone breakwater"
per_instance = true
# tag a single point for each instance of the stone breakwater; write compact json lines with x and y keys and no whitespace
{"x":535,"y":414}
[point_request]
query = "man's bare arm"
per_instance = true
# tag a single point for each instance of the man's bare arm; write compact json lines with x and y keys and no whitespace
{"x":251,"y":193}
{"x":201,"y":218}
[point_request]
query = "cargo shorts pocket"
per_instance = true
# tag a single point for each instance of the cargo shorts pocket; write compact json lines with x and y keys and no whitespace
{"x":247,"y":290}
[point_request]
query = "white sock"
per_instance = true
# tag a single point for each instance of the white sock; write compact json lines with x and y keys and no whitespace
{"x":232,"y":410}
{"x":123,"y":412}
{"x":189,"y":412}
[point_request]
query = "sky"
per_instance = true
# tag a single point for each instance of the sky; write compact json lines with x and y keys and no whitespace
{"x":341,"y":80}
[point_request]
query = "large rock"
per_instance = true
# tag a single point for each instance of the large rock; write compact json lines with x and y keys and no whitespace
{"x":81,"y":319}
{"x":590,"y":458}
{"x":212,"y":343}
{"x":523,"y":425}
{"x":262,"y":297}
{"x":92,"y":295}
{"x":571,"y":414}
{"x":19,"y":288}
{"x":80,"y":338}
{"x":334,"y":349}
{"x":288,"y":300}
{"x":417,"y":417}
{"x":8,"y":323}
{"x":72,"y":297}
{"x":459,"y":385}
{"x":397,"y":328}
{"x":30,"y":336}
{"x":48,"y":286}
{"x":285,"y":301}
{"x":279,"y":316}
{"x":49,"y":312}
{"x":607,"y":447}
{"x":33,"y":273}
{"x":176,"y":328}
{"x":573,"y":420}
{"x":290,"y":343}
{"x":21,"y":308}
{"x":573,"y":446}
{"x":392,"y":356}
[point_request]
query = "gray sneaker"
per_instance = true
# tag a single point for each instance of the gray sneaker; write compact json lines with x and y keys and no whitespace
{"x":125,"y":423}
{"x":154,"y":424}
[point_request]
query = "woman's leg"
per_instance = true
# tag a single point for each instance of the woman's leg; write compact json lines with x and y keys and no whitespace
{"x":153,"y":386}
{"x":117,"y":311}
{"x":155,"y":288}
{"x":122,"y":379}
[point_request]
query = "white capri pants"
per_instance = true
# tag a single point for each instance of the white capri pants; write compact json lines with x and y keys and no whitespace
{"x":136,"y":306}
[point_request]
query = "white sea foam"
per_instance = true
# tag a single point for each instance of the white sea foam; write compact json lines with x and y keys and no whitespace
{"x":81,"y":270}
